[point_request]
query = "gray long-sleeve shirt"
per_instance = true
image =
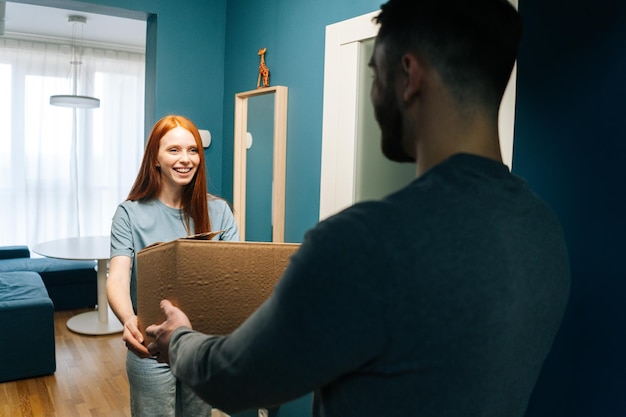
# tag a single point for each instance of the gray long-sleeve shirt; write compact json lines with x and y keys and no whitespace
{"x":441,"y":300}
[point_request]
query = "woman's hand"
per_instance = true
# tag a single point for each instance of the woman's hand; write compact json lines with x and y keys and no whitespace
{"x":118,"y":294}
{"x":134,"y":339}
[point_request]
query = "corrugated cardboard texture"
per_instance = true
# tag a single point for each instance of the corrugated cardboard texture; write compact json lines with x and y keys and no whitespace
{"x":217,"y":284}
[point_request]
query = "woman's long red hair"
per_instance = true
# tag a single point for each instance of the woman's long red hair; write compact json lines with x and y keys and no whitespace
{"x":148,"y":182}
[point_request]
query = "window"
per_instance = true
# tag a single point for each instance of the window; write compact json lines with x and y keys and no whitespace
{"x":63,"y":171}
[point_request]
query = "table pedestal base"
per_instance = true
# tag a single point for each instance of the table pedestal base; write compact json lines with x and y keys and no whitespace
{"x":89,"y":323}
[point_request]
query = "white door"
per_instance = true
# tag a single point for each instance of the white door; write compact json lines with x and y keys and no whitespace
{"x":348,"y":138}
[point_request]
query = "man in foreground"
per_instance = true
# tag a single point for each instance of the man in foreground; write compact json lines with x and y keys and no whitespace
{"x":442,"y":299}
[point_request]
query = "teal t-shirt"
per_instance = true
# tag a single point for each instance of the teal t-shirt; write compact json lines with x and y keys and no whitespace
{"x":140,"y":224}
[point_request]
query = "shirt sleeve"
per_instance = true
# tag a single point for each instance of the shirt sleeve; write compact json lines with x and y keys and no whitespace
{"x":320,"y":323}
{"x":121,"y":234}
{"x":222,"y":218}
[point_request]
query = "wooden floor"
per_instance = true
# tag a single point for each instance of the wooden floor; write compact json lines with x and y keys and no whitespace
{"x":90,"y":379}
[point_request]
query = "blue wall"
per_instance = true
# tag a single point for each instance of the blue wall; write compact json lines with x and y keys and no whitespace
{"x":294,"y":34}
{"x":188,"y":70}
{"x":570,"y":146}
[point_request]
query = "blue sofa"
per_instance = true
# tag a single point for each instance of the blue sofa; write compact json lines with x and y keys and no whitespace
{"x":70,"y":284}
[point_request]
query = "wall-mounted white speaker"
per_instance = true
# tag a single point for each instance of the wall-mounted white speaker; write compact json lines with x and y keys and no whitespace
{"x":206,"y":138}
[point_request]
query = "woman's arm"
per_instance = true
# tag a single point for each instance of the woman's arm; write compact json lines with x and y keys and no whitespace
{"x":118,"y":293}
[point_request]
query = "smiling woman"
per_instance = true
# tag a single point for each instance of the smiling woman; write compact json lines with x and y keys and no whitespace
{"x":167,"y":201}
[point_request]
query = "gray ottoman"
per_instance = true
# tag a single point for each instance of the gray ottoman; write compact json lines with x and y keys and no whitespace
{"x":26,"y":327}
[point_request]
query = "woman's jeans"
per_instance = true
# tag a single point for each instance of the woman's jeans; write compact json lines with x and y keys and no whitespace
{"x":155,"y":392}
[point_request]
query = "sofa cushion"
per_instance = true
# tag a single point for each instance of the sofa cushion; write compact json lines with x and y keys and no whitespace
{"x":43,"y":265}
{"x":8,"y":252}
{"x":70,"y":284}
{"x":72,"y":289}
{"x":21,"y":285}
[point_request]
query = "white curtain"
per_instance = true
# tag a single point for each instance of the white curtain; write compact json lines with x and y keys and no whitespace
{"x":63,"y":171}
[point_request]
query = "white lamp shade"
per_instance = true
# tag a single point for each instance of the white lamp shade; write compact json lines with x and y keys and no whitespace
{"x":82,"y":102}
{"x":74,"y":100}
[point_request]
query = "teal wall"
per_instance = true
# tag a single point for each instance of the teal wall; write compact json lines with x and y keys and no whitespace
{"x":570,"y":146}
{"x":294,"y":34}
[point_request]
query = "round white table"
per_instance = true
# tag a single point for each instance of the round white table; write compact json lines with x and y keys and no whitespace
{"x":102,"y":321}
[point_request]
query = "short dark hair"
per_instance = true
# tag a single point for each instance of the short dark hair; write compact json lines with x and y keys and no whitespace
{"x":473,"y":44}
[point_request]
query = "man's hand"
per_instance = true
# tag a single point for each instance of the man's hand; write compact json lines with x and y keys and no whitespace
{"x":174,"y":318}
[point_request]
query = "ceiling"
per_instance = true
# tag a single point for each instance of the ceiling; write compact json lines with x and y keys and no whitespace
{"x":32,"y":20}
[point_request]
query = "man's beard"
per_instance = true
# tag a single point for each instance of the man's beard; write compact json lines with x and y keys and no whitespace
{"x":391,"y":126}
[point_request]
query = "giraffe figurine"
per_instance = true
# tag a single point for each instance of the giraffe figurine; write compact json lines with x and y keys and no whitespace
{"x":264,"y":72}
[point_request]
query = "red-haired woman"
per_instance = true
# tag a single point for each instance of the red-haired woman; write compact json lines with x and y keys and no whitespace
{"x":168,"y":201}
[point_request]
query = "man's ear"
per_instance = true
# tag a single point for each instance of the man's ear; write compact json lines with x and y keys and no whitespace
{"x":414,"y":73}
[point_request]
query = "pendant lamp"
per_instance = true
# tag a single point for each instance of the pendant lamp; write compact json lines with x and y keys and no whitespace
{"x":74,"y":100}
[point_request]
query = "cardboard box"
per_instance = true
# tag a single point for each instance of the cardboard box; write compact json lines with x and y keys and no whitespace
{"x":217,"y":284}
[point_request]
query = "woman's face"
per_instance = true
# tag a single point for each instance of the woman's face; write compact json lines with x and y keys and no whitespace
{"x":178,"y":157}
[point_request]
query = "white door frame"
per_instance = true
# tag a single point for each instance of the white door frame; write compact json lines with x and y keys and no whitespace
{"x":339,"y":128}
{"x":340,"y":110}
